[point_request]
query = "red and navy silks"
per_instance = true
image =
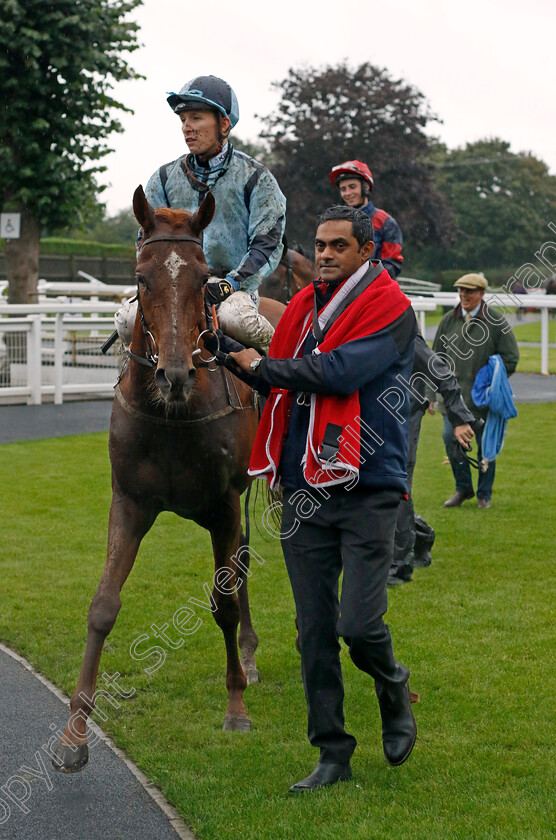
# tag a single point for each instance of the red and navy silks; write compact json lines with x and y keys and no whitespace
{"x":378,"y":306}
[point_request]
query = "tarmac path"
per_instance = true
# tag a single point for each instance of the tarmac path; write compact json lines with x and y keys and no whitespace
{"x":110,"y":799}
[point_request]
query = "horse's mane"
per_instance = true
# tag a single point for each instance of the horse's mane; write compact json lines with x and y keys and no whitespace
{"x":175,"y":217}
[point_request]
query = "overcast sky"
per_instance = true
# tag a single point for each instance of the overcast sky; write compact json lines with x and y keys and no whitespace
{"x":486,"y":67}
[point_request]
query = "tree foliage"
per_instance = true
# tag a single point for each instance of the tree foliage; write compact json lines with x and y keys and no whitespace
{"x":502,"y":203}
{"x":58,"y":61}
{"x":329,"y":115}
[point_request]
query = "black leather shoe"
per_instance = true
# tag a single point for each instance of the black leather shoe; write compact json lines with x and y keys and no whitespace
{"x":399,"y":730}
{"x":483,"y":503}
{"x":459,"y":497}
{"x":322,"y":776}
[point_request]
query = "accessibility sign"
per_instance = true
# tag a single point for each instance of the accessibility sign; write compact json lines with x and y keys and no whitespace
{"x":10,"y":225}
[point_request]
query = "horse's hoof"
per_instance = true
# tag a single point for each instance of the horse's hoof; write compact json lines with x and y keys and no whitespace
{"x":68,"y":760}
{"x":236,"y":723}
{"x":252,"y":676}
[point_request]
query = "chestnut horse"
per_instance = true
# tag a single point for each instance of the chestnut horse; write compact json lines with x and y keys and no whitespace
{"x":295,"y":271}
{"x":180,"y":440}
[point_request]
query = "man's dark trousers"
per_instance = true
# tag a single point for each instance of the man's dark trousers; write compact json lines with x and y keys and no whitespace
{"x":404,"y":542}
{"x":461,"y":468}
{"x":353,"y":530}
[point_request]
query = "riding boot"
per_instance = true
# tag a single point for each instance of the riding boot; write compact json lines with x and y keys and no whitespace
{"x":239,"y":317}
{"x":424,"y":539}
{"x":399,"y":730}
{"x":124,"y":319}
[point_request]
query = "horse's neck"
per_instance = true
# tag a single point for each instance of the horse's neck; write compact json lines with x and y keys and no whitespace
{"x":304,"y":270}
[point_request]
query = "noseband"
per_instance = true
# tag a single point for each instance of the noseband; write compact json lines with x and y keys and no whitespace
{"x":151,"y":358}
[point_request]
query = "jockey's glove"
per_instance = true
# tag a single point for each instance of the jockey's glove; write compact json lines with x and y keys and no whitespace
{"x":218,"y":289}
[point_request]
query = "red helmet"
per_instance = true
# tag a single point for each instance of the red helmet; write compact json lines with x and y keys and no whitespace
{"x":352,"y":169}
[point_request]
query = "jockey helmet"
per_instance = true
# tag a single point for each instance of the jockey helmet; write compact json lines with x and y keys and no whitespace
{"x":352,"y":169}
{"x":206,"y":92}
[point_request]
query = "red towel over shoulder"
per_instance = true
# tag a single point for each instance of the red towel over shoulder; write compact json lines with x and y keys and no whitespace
{"x":379,"y":305}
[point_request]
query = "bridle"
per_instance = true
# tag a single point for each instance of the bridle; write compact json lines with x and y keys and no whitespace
{"x":462,"y":454}
{"x":291,"y":286}
{"x":287,"y":263}
{"x":150,"y":359}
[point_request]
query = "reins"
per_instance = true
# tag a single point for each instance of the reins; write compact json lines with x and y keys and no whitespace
{"x":288,"y":264}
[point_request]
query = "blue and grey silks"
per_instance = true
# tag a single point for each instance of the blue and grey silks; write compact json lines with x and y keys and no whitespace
{"x":492,"y":388}
{"x":244,"y":240}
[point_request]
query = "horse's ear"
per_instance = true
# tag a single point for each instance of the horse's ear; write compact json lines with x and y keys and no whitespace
{"x":202,"y":217}
{"x":143,"y":211}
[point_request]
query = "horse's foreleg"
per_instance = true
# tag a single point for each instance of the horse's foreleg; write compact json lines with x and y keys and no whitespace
{"x":225,"y":531}
{"x":127,"y":526}
{"x":248,"y":639}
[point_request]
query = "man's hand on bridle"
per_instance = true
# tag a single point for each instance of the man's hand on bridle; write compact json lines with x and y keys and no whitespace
{"x":244,"y":358}
{"x":464,"y":434}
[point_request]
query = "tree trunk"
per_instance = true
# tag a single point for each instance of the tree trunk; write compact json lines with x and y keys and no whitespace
{"x":22,"y":262}
{"x":22,"y":269}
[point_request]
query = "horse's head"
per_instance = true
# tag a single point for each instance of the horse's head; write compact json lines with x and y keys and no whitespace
{"x":171,"y":274}
{"x":294,"y":271}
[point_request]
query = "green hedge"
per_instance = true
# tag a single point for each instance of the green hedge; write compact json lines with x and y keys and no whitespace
{"x":80,"y":247}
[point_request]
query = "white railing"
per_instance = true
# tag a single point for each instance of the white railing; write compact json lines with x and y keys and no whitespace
{"x":508,"y":302}
{"x":90,"y":287}
{"x":59,"y":351}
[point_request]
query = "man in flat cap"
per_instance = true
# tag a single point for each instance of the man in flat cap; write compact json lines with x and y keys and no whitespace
{"x":469,"y":335}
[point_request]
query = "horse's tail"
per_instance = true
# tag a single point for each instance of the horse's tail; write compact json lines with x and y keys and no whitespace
{"x":271,"y":518}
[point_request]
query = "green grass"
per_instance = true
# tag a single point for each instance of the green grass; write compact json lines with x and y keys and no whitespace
{"x":475,"y":628}
{"x":532,"y":331}
{"x":530,"y":359}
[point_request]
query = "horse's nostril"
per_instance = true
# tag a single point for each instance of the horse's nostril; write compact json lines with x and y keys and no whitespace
{"x":162,"y":381}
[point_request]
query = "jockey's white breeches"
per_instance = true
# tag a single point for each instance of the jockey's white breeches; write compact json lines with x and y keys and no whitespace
{"x":238,"y":316}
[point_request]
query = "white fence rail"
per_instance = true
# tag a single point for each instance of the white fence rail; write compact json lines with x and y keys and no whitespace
{"x":52,"y":350}
{"x":505,"y":303}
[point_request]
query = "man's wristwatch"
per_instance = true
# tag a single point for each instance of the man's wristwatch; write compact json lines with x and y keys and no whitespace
{"x":255,"y":364}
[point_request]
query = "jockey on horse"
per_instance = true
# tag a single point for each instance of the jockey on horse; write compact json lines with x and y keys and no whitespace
{"x":244,"y":242}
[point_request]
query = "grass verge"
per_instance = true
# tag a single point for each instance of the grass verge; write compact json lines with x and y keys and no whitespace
{"x":475,"y":628}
